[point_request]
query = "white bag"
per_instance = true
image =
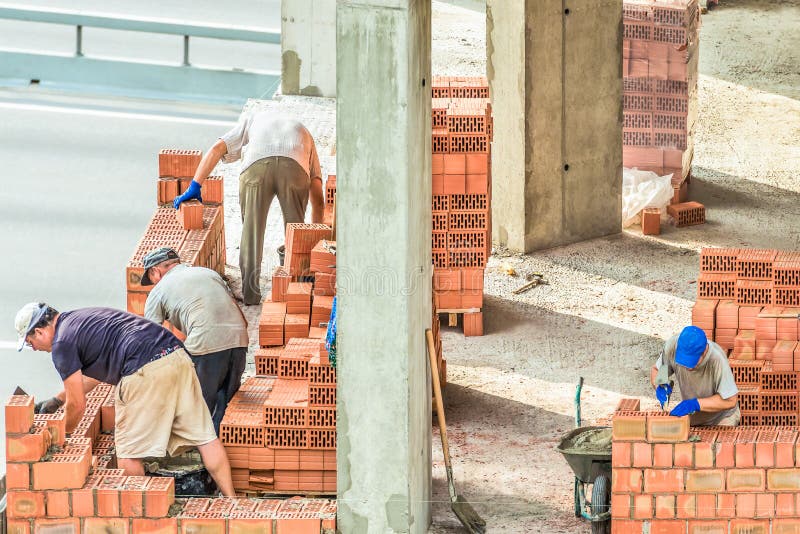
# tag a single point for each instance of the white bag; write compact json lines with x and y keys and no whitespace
{"x":643,"y":189}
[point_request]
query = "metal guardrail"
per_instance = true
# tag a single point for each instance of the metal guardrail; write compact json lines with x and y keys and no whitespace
{"x":162,"y":78}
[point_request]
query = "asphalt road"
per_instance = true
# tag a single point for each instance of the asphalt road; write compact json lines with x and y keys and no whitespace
{"x":78,"y":188}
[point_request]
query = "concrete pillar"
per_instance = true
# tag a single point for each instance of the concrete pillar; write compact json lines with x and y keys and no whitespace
{"x":308,"y":47}
{"x":383,"y":264}
{"x":555,"y":76}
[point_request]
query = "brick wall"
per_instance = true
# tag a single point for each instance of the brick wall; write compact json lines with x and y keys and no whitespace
{"x":669,"y":478}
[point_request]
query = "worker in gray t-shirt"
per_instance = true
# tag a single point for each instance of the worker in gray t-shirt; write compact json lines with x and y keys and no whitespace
{"x":704,"y":377}
{"x":279,"y":159}
{"x":196,"y":301}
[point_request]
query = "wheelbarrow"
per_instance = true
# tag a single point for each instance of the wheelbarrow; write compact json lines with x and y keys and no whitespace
{"x":590,"y":467}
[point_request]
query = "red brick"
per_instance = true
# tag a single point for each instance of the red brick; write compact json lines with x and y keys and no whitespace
{"x":620,"y":506}
{"x":745,"y":480}
{"x":663,"y":480}
{"x":24,"y":504}
{"x":651,"y":221}
{"x":705,"y":480}
{"x":67,"y":525}
{"x":686,"y":505}
{"x":83,"y":504}
{"x":667,"y":429}
{"x":744,"y":454}
{"x":784,"y":448}
{"x":784,"y":505}
{"x":765,"y":505}
{"x":726,"y":505}
{"x":243,"y":525}
{"x":18,"y":476}
{"x":665,"y":506}
{"x":626,"y":480}
{"x":662,"y":455}
{"x":786,"y":526}
{"x":18,"y":526}
{"x":642,"y":455}
{"x":620,"y":454}
{"x":105,"y":525}
{"x":29,"y":447}
{"x":19,"y":414}
{"x":724,"y":449}
{"x":61,"y":472}
{"x":159,"y":496}
{"x":706,"y":506}
{"x":166,"y":525}
{"x":684,"y":454}
{"x":473,"y":324}
{"x":667,"y":527}
{"x":626,"y":527}
{"x":707,"y":527}
{"x":57,"y":503}
{"x":196,"y":525}
{"x":642,"y":506}
{"x":749,"y":526}
{"x":629,"y":426}
{"x":107,"y":493}
{"x":783,"y":479}
{"x":131,"y":496}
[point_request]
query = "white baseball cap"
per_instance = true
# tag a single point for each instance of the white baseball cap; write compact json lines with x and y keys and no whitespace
{"x":26,"y":319}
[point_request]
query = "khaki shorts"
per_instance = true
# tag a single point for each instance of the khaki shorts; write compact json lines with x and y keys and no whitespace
{"x":160,"y":409}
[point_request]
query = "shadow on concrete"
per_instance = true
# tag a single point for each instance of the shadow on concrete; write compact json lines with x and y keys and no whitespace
{"x":516,"y":428}
{"x":764,"y":55}
{"x":519,"y":339}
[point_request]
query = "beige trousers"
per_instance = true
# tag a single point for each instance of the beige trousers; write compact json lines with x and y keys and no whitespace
{"x":258,"y":185}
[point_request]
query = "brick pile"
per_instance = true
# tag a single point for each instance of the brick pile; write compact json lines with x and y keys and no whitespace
{"x":196,"y":231}
{"x":330,"y":200}
{"x":748,"y":302}
{"x":175,"y":172}
{"x":660,"y":73}
{"x":55,"y":483}
{"x":670,"y":478}
{"x":461,"y":201}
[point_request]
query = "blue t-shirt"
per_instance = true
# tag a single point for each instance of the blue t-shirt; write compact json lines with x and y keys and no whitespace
{"x":107,"y":344}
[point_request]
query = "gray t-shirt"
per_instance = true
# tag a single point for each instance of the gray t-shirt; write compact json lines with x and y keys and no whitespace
{"x":713,"y":375}
{"x":197,"y":302}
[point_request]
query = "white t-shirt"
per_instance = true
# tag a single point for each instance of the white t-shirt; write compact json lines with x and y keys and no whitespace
{"x":264,"y":134}
{"x":196,"y":301}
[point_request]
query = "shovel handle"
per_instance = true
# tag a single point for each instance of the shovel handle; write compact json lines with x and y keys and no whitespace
{"x":437,"y":395}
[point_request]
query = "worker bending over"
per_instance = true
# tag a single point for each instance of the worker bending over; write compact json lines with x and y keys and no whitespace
{"x":196,"y":301}
{"x":280,"y":159}
{"x":704,"y":377}
{"x":158,"y":403}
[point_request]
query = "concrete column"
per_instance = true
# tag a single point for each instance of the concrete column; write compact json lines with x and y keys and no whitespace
{"x":383,"y":264}
{"x":308,"y":47}
{"x":555,"y":76}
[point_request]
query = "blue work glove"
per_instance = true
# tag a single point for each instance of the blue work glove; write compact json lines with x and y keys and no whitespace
{"x":191,"y":193}
{"x":663,"y":391}
{"x":686,"y":407}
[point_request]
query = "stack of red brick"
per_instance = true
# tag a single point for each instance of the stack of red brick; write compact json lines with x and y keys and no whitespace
{"x":280,"y":428}
{"x":63,"y":483}
{"x":461,"y":202}
{"x":196,"y":231}
{"x":175,"y":172}
{"x":68,"y":485}
{"x":668,"y":478}
{"x":660,"y":73}
{"x":748,"y":303}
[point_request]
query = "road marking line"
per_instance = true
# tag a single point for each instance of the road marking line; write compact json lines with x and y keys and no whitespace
{"x":114,"y":114}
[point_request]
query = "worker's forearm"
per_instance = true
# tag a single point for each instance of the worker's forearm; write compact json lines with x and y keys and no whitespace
{"x":317,"y":212}
{"x":653,"y":374}
{"x":74,"y":414}
{"x":716,"y":403}
{"x":209,"y":161}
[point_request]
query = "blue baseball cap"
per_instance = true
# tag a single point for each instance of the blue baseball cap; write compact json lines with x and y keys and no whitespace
{"x":692,"y":343}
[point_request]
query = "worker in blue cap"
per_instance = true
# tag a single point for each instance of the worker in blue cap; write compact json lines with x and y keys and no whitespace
{"x":704,"y":378}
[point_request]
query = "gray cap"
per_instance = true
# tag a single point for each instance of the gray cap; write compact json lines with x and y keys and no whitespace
{"x":153,"y":258}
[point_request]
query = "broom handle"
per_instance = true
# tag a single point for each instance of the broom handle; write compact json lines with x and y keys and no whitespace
{"x":437,"y":395}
